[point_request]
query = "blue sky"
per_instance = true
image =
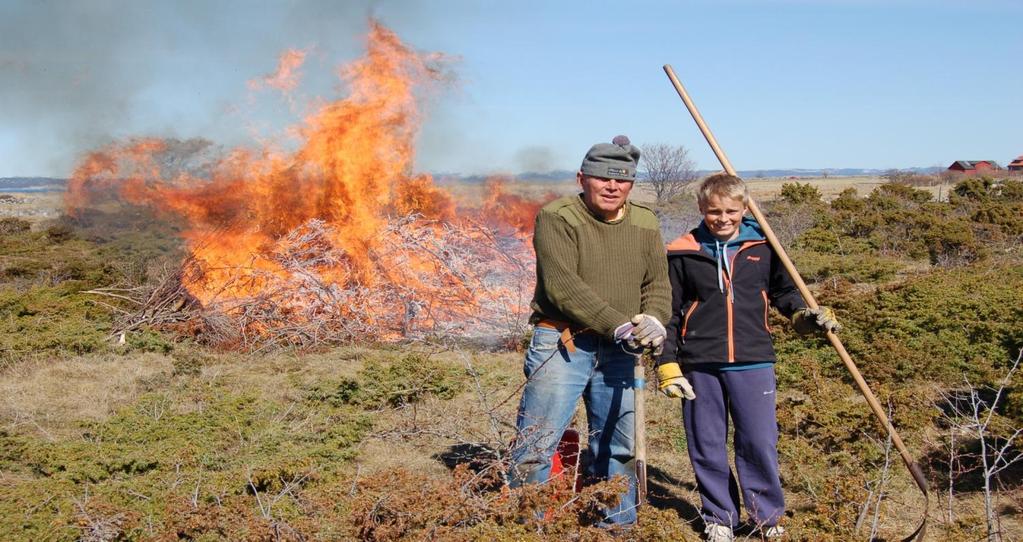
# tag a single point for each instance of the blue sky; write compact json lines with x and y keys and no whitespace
{"x":798,"y":83}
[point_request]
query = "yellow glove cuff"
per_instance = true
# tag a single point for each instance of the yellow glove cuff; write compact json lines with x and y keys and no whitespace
{"x":668,"y":371}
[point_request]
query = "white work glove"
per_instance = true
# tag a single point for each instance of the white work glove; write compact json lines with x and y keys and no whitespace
{"x":624,"y":336}
{"x":671,"y":382}
{"x":649,"y":332}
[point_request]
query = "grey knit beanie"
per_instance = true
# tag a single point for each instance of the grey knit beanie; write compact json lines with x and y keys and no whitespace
{"x":615,"y":160}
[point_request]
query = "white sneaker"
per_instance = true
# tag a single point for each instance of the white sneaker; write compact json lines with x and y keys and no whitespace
{"x":717,"y":532}
{"x":774,"y":531}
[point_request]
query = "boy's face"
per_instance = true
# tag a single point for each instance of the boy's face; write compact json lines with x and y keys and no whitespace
{"x":723,"y":215}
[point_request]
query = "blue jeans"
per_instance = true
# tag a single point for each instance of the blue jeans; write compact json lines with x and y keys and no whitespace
{"x":600,"y":372}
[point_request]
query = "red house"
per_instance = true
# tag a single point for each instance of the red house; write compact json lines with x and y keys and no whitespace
{"x":973,"y":167}
{"x":1017,"y":164}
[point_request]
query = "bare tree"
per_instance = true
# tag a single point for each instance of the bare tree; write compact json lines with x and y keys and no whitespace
{"x":668,"y":169}
{"x":972,"y":415}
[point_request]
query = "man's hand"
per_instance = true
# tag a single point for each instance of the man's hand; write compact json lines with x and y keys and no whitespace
{"x":649,"y":332}
{"x":624,"y":336}
{"x":671,"y":382}
{"x":819,"y":320}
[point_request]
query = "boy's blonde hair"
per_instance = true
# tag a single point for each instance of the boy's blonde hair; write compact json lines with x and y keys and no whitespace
{"x":722,"y":185}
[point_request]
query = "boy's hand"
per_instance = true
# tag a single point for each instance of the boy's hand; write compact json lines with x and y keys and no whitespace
{"x":819,"y":320}
{"x":671,"y":382}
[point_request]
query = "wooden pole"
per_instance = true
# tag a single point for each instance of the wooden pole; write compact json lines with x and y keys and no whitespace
{"x":639,"y":385}
{"x":875,"y":406}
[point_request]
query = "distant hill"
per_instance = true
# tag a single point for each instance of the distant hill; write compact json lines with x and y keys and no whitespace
{"x":831,"y":172}
{"x":53,"y":184}
{"x":32,"y":184}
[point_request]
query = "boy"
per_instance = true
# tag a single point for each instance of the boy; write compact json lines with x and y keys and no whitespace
{"x":724,"y":276}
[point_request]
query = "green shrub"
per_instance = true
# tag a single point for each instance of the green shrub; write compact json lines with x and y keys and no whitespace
{"x":938,"y":326}
{"x":893,"y":197}
{"x":974,"y":189}
{"x":828,"y":241}
{"x":857,"y":267}
{"x":51,"y":320}
{"x":1008,"y":216}
{"x":10,"y":225}
{"x":953,"y":243}
{"x":218,"y":455}
{"x":148,"y":341}
{"x":848,"y":201}
{"x":59,"y":233}
{"x":797,"y":193}
{"x":1011,"y":190}
{"x":409,"y":379}
{"x":344,"y":391}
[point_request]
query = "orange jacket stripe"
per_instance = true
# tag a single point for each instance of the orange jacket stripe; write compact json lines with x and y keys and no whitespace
{"x":767,"y":307}
{"x":685,"y":322}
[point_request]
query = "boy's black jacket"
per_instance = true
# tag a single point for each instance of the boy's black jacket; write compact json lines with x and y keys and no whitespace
{"x":704,"y":326}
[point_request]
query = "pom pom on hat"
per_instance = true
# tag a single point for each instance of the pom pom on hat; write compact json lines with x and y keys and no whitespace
{"x":621,"y":140}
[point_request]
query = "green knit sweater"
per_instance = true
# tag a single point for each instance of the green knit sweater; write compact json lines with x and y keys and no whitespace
{"x":597,"y":274}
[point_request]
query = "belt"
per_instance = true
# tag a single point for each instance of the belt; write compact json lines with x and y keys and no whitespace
{"x":568,"y":331}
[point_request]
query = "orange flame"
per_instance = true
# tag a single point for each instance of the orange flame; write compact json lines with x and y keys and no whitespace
{"x":342,"y":218}
{"x":285,"y":79}
{"x":502,"y":208}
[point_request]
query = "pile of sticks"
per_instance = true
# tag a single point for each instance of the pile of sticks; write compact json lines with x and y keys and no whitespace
{"x":428,"y":279}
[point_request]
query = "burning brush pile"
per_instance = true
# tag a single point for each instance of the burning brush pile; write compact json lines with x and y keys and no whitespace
{"x":334,"y":241}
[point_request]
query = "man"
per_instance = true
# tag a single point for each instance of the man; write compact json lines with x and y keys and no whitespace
{"x":601,"y":294}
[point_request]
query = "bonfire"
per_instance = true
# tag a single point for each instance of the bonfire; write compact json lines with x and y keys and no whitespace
{"x":334,"y":241}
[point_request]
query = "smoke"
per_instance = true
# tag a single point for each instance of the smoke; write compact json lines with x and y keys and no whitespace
{"x":538,"y":159}
{"x":56,"y":93}
{"x":77,"y":75}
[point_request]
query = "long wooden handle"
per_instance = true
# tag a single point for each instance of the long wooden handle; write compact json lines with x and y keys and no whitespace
{"x":639,"y":385}
{"x":875,"y":406}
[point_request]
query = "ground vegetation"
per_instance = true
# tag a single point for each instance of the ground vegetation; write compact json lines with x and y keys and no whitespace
{"x":150,"y":434}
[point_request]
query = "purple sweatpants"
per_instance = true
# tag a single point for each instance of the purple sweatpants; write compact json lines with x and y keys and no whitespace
{"x":748,"y":397}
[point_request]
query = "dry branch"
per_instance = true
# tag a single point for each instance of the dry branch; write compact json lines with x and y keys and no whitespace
{"x":430,"y":279}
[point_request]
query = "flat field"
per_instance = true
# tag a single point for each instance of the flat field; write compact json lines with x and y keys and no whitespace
{"x":31,"y":206}
{"x":762,"y":189}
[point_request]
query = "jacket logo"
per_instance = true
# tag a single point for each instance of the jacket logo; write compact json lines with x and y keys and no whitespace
{"x":753,"y":258}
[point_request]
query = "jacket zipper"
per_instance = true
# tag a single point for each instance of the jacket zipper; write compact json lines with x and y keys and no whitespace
{"x":729,"y":299}
{"x":728,"y":312}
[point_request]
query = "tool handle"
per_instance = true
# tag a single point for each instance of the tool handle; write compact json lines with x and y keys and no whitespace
{"x":639,"y":385}
{"x":797,"y":279}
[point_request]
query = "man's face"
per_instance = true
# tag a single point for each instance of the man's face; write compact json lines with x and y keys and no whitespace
{"x":604,"y":197}
{"x":723,"y":215}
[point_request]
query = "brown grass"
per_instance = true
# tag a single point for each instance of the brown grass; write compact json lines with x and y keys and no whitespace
{"x":51,"y":398}
{"x":32,"y":206}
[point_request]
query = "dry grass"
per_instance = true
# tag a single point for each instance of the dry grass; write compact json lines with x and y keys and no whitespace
{"x":282,"y":377}
{"x":52,"y":398}
{"x":31,"y":206}
{"x":769,"y":188}
{"x":761,"y":189}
